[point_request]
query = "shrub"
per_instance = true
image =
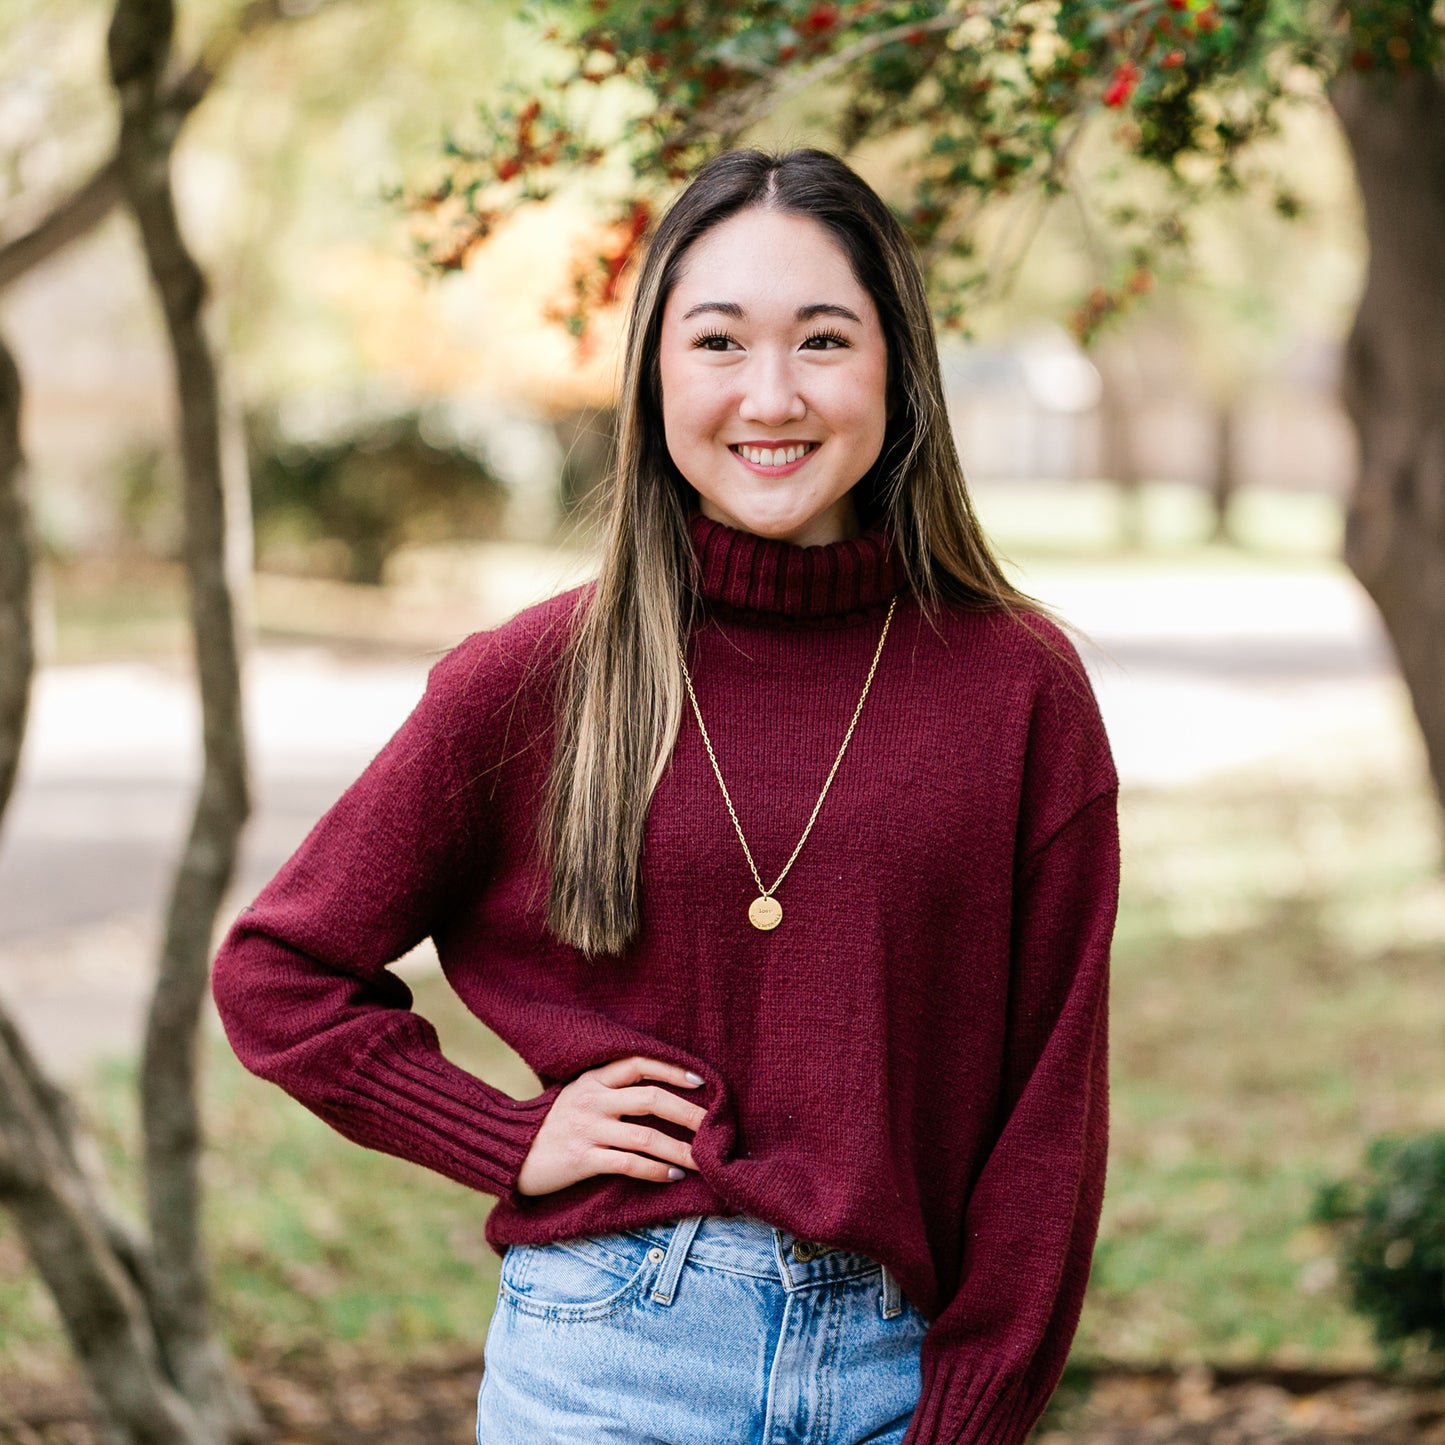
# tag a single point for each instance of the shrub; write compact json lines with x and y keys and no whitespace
{"x":343,"y":505}
{"x":1390,"y":1220}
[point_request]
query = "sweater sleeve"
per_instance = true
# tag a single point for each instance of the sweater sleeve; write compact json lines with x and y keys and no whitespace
{"x":994,"y":1356}
{"x":301,"y":979}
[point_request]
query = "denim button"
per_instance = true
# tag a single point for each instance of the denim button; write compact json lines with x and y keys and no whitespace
{"x":805,"y":1250}
{"x":654,"y":1255}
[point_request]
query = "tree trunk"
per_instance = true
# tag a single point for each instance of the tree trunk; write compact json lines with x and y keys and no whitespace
{"x":139,"y":1323}
{"x":17,"y":632}
{"x":105,"y":1314}
{"x":1120,"y":455}
{"x":93,"y":1264}
{"x":1394,"y":378}
{"x":138,"y":44}
{"x":1224,"y":482}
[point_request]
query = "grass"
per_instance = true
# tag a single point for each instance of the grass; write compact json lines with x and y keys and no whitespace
{"x":1276,"y":1002}
{"x":94,"y":609}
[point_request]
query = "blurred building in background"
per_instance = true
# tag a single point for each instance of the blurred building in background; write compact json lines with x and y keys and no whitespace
{"x":1034,"y":410}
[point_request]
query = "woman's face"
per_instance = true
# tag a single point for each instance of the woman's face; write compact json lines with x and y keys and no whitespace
{"x":772,"y":350}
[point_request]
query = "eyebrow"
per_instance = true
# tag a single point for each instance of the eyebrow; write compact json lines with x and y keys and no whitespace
{"x":803,"y":313}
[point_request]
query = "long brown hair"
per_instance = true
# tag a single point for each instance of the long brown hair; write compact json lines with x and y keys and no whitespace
{"x":620,"y":703}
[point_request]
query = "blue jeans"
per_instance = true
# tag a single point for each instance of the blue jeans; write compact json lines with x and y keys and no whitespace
{"x":705,"y":1330}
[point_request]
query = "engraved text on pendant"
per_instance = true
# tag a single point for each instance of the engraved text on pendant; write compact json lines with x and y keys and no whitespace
{"x":765,"y":912}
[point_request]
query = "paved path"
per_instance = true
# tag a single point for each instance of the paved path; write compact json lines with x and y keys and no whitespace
{"x":1198,"y":674}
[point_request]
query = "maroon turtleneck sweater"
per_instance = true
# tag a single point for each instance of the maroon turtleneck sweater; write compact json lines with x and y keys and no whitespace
{"x":912,"y":1065}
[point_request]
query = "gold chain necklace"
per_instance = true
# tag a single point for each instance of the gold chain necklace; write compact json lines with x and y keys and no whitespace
{"x":765,"y":912}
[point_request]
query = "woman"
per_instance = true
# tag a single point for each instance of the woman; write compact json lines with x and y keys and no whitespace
{"x":786,"y":856}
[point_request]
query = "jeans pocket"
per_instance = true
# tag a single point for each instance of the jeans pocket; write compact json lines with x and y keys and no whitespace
{"x":584,"y":1278}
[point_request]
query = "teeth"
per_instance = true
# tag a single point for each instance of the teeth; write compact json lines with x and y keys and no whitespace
{"x":774,"y":456}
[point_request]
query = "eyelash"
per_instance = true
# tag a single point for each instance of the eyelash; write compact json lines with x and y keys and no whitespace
{"x":812,"y":336}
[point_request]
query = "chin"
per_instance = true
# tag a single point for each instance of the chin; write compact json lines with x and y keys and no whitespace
{"x":776,"y":522}
{"x":770,"y":524}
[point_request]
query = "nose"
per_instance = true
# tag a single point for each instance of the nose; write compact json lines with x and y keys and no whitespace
{"x":770,"y":392}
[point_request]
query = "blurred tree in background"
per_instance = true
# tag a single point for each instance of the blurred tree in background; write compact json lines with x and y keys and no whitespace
{"x":279,"y":176}
{"x":136,"y":1301}
{"x":342,"y":507}
{"x":975,"y":114}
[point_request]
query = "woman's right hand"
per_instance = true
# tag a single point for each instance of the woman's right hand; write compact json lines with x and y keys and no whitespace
{"x":584,"y":1132}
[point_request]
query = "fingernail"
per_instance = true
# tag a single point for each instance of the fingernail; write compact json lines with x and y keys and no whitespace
{"x":673,"y":1172}
{"x":693,"y":1078}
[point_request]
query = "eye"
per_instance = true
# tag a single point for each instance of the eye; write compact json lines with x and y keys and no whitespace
{"x":833,"y":336}
{"x":708,"y":337}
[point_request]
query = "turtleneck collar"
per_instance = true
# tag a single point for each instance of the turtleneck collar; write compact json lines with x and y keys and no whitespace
{"x":740,"y":571}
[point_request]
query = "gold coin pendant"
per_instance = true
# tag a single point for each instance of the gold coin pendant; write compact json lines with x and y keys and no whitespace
{"x":765,"y":912}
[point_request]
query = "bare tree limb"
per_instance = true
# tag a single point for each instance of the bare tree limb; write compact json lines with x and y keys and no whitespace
{"x":92,"y":1262}
{"x":17,"y":636}
{"x":106,"y":1317}
{"x":78,"y":1150}
{"x":93,"y":200}
{"x":138,"y":45}
{"x":77,"y":215}
{"x":140,"y":1323}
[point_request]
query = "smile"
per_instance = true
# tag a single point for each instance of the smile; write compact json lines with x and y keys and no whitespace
{"x":774,"y":460}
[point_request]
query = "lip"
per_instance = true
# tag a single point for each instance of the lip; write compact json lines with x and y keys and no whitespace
{"x":776,"y":442}
{"x":776,"y":471}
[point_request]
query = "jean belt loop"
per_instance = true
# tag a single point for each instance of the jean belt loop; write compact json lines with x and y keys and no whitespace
{"x":675,"y":1258}
{"x":892,"y":1295}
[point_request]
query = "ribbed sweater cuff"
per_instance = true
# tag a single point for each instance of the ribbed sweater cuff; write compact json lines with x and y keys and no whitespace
{"x":403,"y":1096}
{"x":963,"y":1404}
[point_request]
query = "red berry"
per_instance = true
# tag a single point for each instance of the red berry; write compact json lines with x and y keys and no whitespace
{"x":1172,"y":61}
{"x":821,"y":18}
{"x":1121,"y":85}
{"x":508,"y":168}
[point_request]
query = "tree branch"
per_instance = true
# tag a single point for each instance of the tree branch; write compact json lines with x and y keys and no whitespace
{"x":79,"y":1153}
{"x":77,"y":215}
{"x":759,"y":101}
{"x":17,"y":637}
{"x":104,"y":1314}
{"x":93,"y":200}
{"x":210,"y":469}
